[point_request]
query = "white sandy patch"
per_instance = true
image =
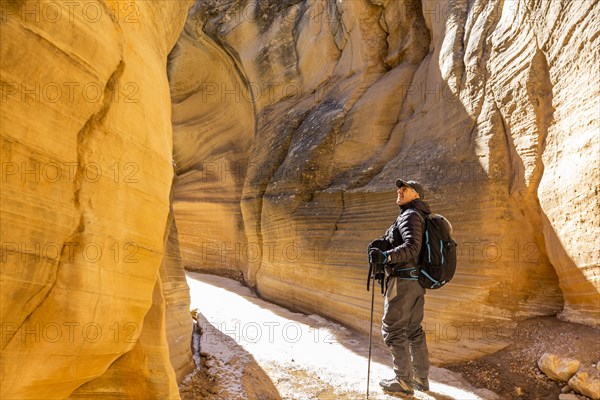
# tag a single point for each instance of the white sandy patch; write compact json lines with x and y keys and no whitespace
{"x":305,"y":356}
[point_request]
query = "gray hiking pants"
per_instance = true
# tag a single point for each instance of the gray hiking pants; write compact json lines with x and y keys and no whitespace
{"x":402,"y":332}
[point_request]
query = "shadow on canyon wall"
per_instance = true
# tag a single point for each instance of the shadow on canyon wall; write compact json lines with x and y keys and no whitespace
{"x":309,"y":182}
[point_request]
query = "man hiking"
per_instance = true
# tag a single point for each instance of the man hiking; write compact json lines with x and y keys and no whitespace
{"x":396,"y":254}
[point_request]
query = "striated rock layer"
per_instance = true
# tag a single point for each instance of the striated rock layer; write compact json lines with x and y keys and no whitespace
{"x":323,"y":104}
{"x":93,"y":302}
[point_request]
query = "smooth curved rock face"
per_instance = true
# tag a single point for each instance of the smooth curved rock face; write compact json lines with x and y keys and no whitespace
{"x":86,"y":177}
{"x":488,"y":104}
{"x":213,"y":125}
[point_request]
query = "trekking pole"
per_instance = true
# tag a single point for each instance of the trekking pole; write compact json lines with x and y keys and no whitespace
{"x":371,"y":329}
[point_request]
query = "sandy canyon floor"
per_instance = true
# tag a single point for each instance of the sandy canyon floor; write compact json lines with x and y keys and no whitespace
{"x":251,"y":349}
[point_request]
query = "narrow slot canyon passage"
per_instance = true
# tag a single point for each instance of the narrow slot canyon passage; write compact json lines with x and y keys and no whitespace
{"x":192,"y":193}
{"x":292,"y":120}
{"x":257,"y":350}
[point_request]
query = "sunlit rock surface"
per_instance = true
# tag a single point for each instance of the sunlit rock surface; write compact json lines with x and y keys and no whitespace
{"x":86,"y":310}
{"x":323,"y":104}
{"x":177,"y":304}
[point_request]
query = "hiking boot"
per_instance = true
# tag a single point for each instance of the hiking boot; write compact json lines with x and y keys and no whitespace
{"x":396,"y":386}
{"x":421,"y":384}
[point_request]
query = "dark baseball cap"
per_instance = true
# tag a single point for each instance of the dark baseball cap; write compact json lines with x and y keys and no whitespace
{"x":412,"y":184}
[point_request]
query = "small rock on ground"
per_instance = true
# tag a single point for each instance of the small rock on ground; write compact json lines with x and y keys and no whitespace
{"x":558,"y":368}
{"x":588,"y":384}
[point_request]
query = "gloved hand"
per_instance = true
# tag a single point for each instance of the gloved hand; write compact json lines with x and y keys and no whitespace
{"x":377,"y":257}
{"x":378,"y":270}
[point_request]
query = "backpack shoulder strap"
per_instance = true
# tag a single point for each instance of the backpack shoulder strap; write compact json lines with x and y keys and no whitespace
{"x":421,"y":215}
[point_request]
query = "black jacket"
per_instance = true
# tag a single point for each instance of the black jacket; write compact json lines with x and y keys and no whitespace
{"x":406,"y":234}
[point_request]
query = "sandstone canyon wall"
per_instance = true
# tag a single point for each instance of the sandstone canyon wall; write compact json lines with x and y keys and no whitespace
{"x":293,"y":118}
{"x":94,"y":301}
